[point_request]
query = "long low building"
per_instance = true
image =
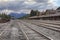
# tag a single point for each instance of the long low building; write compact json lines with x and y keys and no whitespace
{"x":55,"y":16}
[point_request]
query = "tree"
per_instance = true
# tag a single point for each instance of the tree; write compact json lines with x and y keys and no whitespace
{"x":37,"y":13}
{"x":34,"y":13}
{"x":5,"y":16}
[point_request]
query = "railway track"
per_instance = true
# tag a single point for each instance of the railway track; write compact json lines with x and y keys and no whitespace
{"x":48,"y":22}
{"x":20,"y":30}
{"x":56,"y":23}
{"x":33,"y":34}
{"x":12,"y":32}
{"x":50,"y":33}
{"x":53,"y":22}
{"x":3,"y":27}
{"x":4,"y":31}
{"x":46,"y":25}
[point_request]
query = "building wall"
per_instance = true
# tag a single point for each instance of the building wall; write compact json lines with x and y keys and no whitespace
{"x":49,"y":12}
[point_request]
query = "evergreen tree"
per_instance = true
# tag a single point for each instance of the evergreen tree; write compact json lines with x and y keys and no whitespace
{"x":5,"y":16}
{"x":34,"y":13}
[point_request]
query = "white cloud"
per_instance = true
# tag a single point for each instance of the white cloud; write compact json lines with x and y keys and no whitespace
{"x":6,"y":0}
{"x":30,"y":2}
{"x":25,"y":5}
{"x":6,"y":11}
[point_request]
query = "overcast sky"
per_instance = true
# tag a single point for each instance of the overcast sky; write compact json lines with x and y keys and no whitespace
{"x":27,"y":5}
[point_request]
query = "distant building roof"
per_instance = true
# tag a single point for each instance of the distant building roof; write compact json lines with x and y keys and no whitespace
{"x":57,"y":14}
{"x":58,"y":8}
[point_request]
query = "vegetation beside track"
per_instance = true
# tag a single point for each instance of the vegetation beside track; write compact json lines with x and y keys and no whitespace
{"x":4,"y":18}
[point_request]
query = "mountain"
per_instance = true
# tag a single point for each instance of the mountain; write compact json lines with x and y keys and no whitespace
{"x":17,"y":15}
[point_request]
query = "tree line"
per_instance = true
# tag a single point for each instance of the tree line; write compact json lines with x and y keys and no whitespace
{"x":5,"y":16}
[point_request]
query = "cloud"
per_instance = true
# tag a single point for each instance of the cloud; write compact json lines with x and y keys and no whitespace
{"x":18,"y":5}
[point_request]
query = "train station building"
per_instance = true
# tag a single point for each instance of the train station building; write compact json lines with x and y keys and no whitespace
{"x":49,"y":15}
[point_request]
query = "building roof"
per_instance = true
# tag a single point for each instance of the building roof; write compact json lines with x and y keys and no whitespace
{"x":50,"y":15}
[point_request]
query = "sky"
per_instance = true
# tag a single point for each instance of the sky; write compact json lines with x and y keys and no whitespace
{"x":27,"y":5}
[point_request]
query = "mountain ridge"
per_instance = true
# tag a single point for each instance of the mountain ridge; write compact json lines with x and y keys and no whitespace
{"x":17,"y":15}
